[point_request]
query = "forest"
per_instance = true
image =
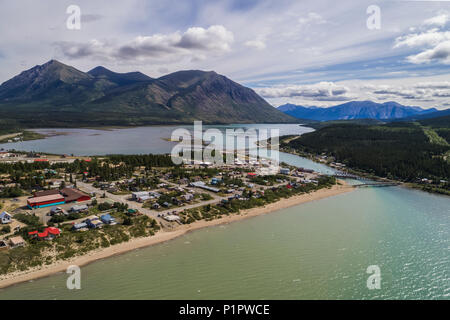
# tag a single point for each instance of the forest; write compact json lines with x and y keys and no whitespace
{"x":398,"y":150}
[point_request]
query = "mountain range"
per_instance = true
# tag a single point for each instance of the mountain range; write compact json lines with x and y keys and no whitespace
{"x":355,"y":110}
{"x":55,"y":94}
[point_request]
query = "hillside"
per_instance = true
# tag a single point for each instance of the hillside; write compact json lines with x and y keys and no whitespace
{"x":58,"y":95}
{"x":354,"y":110}
{"x":403,"y":151}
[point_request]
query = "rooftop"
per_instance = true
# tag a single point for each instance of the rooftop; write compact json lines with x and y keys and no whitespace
{"x":51,"y":197}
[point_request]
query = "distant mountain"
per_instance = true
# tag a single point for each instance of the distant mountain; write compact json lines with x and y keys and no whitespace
{"x":428,"y":115}
{"x":354,"y":110}
{"x":55,"y":94}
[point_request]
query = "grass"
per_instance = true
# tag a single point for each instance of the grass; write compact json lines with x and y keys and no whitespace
{"x":434,"y":137}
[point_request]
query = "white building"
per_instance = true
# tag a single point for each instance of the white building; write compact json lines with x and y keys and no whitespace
{"x":5,"y":217}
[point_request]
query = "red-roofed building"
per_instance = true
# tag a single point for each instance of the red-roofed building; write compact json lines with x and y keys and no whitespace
{"x":48,"y":234}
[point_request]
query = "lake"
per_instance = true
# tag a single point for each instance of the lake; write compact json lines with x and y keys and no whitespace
{"x":140,"y":140}
{"x":317,"y":250}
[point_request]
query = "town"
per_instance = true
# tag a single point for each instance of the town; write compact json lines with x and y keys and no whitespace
{"x":58,"y":207}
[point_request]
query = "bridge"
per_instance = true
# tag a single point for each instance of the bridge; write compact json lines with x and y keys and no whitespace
{"x":346,"y":175}
{"x":377,"y":185}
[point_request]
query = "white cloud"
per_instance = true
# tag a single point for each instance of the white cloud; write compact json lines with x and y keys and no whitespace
{"x":322,"y":91}
{"x":196,"y":42}
{"x":423,"y":93}
{"x":430,"y":38}
{"x":440,"y":53}
{"x":256,"y":44}
{"x":435,"y":42}
{"x":312,"y":18}
{"x":439,"y":20}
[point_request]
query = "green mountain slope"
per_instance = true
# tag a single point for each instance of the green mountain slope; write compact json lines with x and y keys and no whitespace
{"x":54,"y":94}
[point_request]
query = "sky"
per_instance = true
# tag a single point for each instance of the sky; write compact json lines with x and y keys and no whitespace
{"x":311,"y":53}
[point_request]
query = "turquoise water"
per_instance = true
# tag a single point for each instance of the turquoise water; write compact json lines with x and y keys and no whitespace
{"x":317,"y":250}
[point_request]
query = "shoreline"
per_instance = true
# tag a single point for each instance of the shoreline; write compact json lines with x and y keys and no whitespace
{"x":163,"y":236}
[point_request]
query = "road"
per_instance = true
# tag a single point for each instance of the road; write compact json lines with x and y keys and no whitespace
{"x":152,"y":213}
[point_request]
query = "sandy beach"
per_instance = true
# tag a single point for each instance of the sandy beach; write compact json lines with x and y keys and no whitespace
{"x":162,"y":236}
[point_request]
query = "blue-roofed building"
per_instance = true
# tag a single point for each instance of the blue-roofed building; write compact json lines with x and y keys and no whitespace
{"x":107,"y":219}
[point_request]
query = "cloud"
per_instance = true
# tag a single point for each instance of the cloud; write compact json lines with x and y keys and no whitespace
{"x":322,"y":91}
{"x":256,"y":44}
{"x":312,"y":18}
{"x":435,"y":42}
{"x":424,"y":91}
{"x":439,"y":20}
{"x":195,"y":42}
{"x":86,"y":18}
{"x":430,"y":38}
{"x":440,"y":53}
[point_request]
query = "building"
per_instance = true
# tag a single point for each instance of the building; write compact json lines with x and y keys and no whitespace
{"x":46,"y":201}
{"x":47,"y":198}
{"x":93,"y":222}
{"x":202,"y":185}
{"x":285,"y":171}
{"x":171,"y":218}
{"x":58,"y":211}
{"x":79,"y":208}
{"x":48,"y":234}
{"x":5,"y":217}
{"x":16,"y":242}
{"x":79,"y":226}
{"x":107,"y":219}
{"x":156,"y":206}
{"x":3,"y":245}
{"x":144,"y":198}
{"x":138,"y":195}
{"x":74,"y":195}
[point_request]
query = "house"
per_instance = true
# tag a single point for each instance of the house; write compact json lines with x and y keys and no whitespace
{"x":58,"y":211}
{"x":3,"y":245}
{"x":5,"y":217}
{"x":155,"y":194}
{"x":107,"y":219}
{"x":214,"y":181}
{"x":16,"y":242}
{"x":137,"y":195}
{"x":156,"y":206}
{"x":133,"y":212}
{"x":79,"y":226}
{"x":79,"y":208}
{"x":171,"y":218}
{"x":93,"y":222}
{"x":48,"y":234}
{"x":144,"y":198}
{"x":188,"y":197}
